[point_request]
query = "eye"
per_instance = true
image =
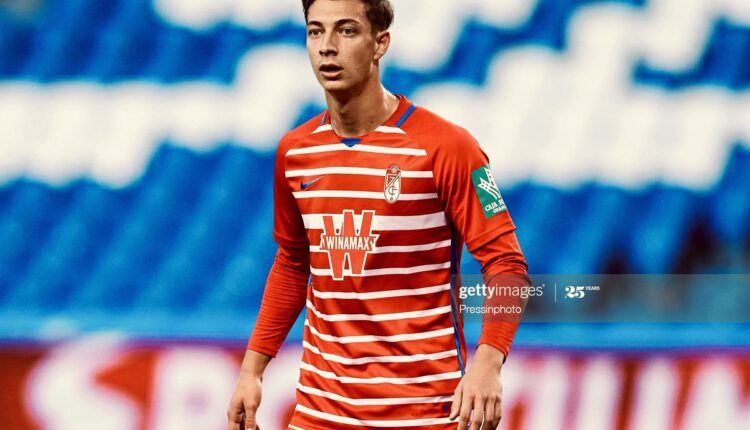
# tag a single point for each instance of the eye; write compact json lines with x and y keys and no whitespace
{"x":313,"y":32}
{"x":348,"y":31}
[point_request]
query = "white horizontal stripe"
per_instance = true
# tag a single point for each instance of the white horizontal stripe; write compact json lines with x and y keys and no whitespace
{"x":365,"y":171}
{"x":374,"y":338}
{"x":373,"y":423}
{"x":322,"y":128}
{"x":380,"y":294}
{"x":382,"y":358}
{"x":333,"y":147}
{"x":295,"y":427}
{"x":360,"y":195}
{"x":386,"y":129}
{"x":378,"y":317}
{"x":413,"y":248}
{"x":373,"y":401}
{"x":384,"y":271}
{"x":380,"y":379}
{"x":381,"y":129}
{"x":399,"y":248}
{"x":382,"y":222}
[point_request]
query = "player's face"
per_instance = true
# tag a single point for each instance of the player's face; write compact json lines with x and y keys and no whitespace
{"x":342,"y":48}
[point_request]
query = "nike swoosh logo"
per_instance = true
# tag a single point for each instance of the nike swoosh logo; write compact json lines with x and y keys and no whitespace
{"x":306,"y":185}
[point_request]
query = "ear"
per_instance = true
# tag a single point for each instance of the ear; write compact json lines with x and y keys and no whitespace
{"x":382,"y":42}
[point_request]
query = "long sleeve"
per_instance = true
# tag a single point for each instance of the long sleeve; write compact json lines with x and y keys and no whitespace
{"x":503,"y":265}
{"x":476,"y":209}
{"x":286,"y":286}
{"x":283,"y":300}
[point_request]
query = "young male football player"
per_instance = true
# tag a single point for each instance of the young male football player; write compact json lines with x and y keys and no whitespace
{"x":374,"y":199}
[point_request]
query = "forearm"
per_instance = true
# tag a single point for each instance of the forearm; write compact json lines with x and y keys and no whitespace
{"x":490,"y":355}
{"x":254,"y":363}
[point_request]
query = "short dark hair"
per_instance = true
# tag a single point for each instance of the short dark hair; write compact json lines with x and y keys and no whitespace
{"x":379,"y":12}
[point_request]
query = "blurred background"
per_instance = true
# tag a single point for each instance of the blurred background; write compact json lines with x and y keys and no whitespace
{"x":136,"y":148}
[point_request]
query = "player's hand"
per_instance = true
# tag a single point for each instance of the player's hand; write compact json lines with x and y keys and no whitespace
{"x":245,"y":402}
{"x":477,"y":398}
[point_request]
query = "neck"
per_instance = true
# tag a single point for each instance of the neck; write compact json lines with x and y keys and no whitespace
{"x":361,"y":111}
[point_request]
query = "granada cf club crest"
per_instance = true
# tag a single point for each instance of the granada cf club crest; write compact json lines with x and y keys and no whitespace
{"x":348,"y":242}
{"x":392,"y":184}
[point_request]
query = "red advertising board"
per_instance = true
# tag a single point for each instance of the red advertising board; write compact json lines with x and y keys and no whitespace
{"x":111,"y":383}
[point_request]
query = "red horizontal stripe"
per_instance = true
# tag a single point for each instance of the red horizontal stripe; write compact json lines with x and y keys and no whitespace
{"x":444,"y":387}
{"x":356,"y":182}
{"x":335,"y":205}
{"x":370,"y":160}
{"x":308,"y":422}
{"x":381,"y":328}
{"x":387,"y":370}
{"x":382,"y":282}
{"x":383,"y":306}
{"x":378,"y":413}
{"x":380,"y":348}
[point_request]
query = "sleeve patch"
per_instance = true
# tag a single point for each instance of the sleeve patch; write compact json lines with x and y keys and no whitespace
{"x":487,"y":191}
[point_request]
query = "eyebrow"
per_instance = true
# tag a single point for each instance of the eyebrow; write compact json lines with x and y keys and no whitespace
{"x":337,"y":23}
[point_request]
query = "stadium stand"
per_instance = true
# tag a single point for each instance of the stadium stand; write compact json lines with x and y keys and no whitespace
{"x":137,"y":141}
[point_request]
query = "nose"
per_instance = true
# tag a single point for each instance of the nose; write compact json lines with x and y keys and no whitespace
{"x":328,"y":45}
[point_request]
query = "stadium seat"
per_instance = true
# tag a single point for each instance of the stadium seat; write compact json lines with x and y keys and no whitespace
{"x":79,"y":14}
{"x":231,"y":44}
{"x":598,"y":229}
{"x":192,"y":231}
{"x":15,"y":44}
{"x":729,"y":211}
{"x":658,"y":233}
{"x":179,"y":55}
{"x":119,"y":55}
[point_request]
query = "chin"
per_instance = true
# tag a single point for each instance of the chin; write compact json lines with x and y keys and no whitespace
{"x":336,"y":86}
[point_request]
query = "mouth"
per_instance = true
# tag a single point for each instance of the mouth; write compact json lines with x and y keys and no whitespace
{"x":330,"y":71}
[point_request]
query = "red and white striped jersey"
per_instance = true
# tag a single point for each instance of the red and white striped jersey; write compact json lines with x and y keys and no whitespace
{"x":385,"y":217}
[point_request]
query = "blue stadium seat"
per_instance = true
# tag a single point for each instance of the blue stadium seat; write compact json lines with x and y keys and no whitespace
{"x":720,"y":63}
{"x":135,"y":17}
{"x":194,"y":233}
{"x":155,"y":216}
{"x":231,"y":44}
{"x":31,"y":217}
{"x":210,"y":236}
{"x":473,"y":53}
{"x":15,"y":44}
{"x":244,"y":276}
{"x":599,"y":227}
{"x":73,"y":247}
{"x":79,"y":14}
{"x":48,"y":56}
{"x":180,"y":55}
{"x":120,"y":55}
{"x":730,"y":207}
{"x":541,"y":222}
{"x":7,"y":193}
{"x":659,"y":231}
{"x":729,"y":212}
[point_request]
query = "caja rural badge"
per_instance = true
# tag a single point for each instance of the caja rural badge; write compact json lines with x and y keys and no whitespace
{"x":487,"y":191}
